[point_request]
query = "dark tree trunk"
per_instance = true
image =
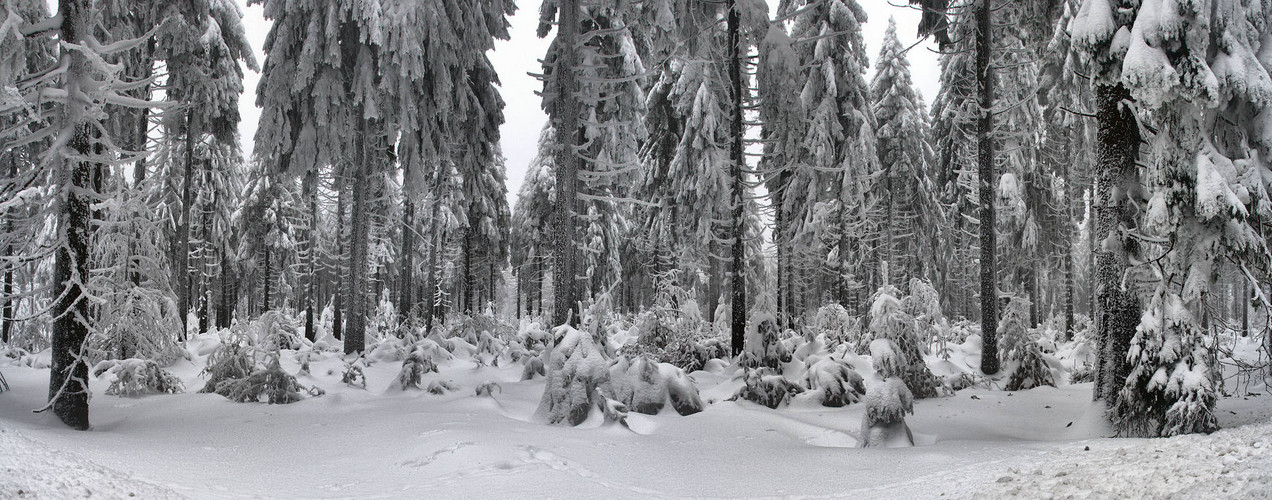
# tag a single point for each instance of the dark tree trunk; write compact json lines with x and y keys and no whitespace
{"x":406,"y":301}
{"x":68,"y":376}
{"x":6,"y":315}
{"x":431,"y":280}
{"x":355,"y":331}
{"x":183,"y":226}
{"x":269,"y":271}
{"x":1068,"y":237}
{"x":567,"y":114}
{"x":738,"y":199}
{"x":985,"y":160}
{"x":1117,"y":309}
{"x":337,"y":316}
{"x":311,"y":192}
{"x":468,"y":273}
{"x":225,"y":315}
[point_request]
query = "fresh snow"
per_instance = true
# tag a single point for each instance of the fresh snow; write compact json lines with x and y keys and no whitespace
{"x":386,"y":442}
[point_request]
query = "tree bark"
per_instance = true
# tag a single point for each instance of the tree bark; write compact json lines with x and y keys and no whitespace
{"x":311,"y":292}
{"x":1117,"y":309}
{"x":6,"y":315}
{"x":567,"y":111}
{"x":68,"y":376}
{"x":737,"y":270}
{"x":183,"y":227}
{"x":406,"y":301}
{"x":985,"y":160}
{"x":355,"y":331}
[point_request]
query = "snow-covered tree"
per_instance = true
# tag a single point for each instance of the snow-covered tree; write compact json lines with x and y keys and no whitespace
{"x":888,"y":321}
{"x":911,"y":218}
{"x":1197,"y":86}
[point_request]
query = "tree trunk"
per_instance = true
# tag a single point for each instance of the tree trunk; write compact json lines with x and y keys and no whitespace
{"x":355,"y":333}
{"x":266,"y":282}
{"x":406,"y":301}
{"x":311,"y":192}
{"x":737,"y":270}
{"x":1117,"y":309}
{"x":183,"y":227}
{"x":1068,"y":238}
{"x":431,"y":279}
{"x":985,"y":159}
{"x":337,"y":316}
{"x":468,"y":272}
{"x":6,"y":316}
{"x":68,"y":376}
{"x":567,"y":112}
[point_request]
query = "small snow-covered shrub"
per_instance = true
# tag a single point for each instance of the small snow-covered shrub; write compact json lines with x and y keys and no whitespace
{"x":575,"y":369}
{"x":138,"y":323}
{"x":488,"y":389}
{"x":888,"y":321}
{"x":763,"y":348}
{"x":353,"y":376}
{"x":1170,"y":390}
{"x":839,"y":327}
{"x":232,"y":360}
{"x":414,"y":368}
{"x":767,"y":387}
{"x":888,"y":400}
{"x":268,"y":384}
{"x":839,"y":384}
{"x":138,"y":377}
{"x":1020,"y":347}
{"x":440,"y":387}
{"x":1082,"y":374}
{"x":924,"y":306}
{"x":272,"y":331}
{"x":645,"y":386}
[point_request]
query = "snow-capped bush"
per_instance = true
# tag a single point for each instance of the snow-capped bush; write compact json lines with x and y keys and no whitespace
{"x":767,"y":387}
{"x":763,"y":348}
{"x":232,"y":360}
{"x":272,"y":331}
{"x":414,"y":368}
{"x":138,"y":377}
{"x":234,"y":370}
{"x":440,"y":387}
{"x":924,"y":306}
{"x":645,"y":386}
{"x":1021,"y":349}
{"x":267,"y":384}
{"x":353,"y":375}
{"x":888,"y":400}
{"x":839,"y":384}
{"x":1170,"y":390}
{"x":138,"y":323}
{"x":888,"y":321}
{"x":839,"y":327}
{"x":488,"y":389}
{"x":575,"y":369}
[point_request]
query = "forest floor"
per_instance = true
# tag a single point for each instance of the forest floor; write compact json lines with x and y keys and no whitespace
{"x":382,"y":442}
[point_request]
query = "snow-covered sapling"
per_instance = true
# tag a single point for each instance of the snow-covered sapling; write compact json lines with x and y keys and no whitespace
{"x":440,"y":387}
{"x":767,"y":387}
{"x":645,"y":386}
{"x":888,"y":400}
{"x":575,"y":369}
{"x":414,"y":368}
{"x":1020,"y":348}
{"x":889,"y":321}
{"x":138,"y":377}
{"x":763,"y":348}
{"x":839,"y":384}
{"x":270,"y":384}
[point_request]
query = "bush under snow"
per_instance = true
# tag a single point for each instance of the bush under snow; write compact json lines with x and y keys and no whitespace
{"x":575,"y":370}
{"x":645,"y":386}
{"x":888,"y":400}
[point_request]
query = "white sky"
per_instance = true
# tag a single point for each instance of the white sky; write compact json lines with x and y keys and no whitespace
{"x":514,"y":58}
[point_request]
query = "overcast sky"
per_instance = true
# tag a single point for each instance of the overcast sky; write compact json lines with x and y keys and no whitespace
{"x":514,"y":58}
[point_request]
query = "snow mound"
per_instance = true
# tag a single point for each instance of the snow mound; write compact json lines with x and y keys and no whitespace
{"x":1231,"y":463}
{"x":31,"y":469}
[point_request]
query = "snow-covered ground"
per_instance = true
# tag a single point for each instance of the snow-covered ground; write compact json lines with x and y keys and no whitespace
{"x":382,"y":442}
